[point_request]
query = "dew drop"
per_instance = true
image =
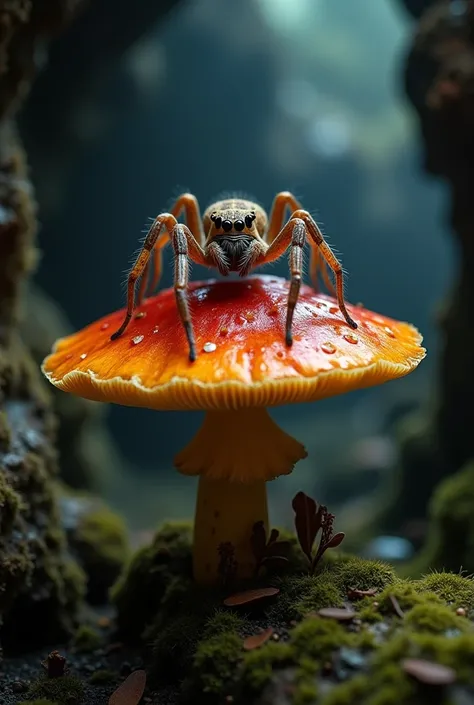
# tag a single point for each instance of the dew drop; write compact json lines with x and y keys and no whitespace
{"x":223,"y":331}
{"x":328,"y":348}
{"x":137,"y":339}
{"x":351,"y":338}
{"x":141,"y":314}
{"x":389,"y":332}
{"x":68,"y":357}
{"x":104,"y":326}
{"x":83,"y":356}
{"x":156,"y":329}
{"x":322,"y":304}
{"x":280,"y":354}
{"x":209,"y":347}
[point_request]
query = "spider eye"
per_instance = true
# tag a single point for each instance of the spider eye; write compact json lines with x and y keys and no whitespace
{"x":227,"y":226}
{"x":217,"y":220}
{"x":248,"y":221}
{"x":239,"y":225}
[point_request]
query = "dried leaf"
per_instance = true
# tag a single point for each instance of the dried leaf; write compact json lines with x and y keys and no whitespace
{"x":256,"y":640}
{"x":355,"y":594}
{"x":335,"y":540}
{"x":307,"y":521}
{"x":396,"y":606}
{"x":428,"y":672}
{"x":338,"y":613}
{"x":130,"y":692}
{"x":277,"y":548}
{"x":258,"y":539}
{"x":243,"y":598}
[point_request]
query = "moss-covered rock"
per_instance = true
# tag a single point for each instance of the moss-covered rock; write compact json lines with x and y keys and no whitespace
{"x":86,"y":639}
{"x":66,"y":690}
{"x":450,"y":541}
{"x":98,"y":539}
{"x":198,"y":644}
{"x":103,"y":676}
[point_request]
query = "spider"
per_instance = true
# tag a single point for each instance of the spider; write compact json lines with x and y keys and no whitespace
{"x":234,"y":235}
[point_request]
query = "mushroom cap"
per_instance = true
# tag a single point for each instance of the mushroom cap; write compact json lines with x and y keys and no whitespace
{"x":243,"y":360}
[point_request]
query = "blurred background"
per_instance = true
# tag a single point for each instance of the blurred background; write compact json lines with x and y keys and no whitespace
{"x":254,"y":96}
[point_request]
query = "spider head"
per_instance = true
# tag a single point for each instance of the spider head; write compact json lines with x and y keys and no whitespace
{"x":234,"y":217}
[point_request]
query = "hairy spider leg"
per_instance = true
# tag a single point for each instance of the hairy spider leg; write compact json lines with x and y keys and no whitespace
{"x":286,"y":201}
{"x":189,"y":204}
{"x":175,"y":232}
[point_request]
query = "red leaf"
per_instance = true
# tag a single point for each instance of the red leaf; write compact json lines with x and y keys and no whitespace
{"x":256,"y":640}
{"x":335,"y":540}
{"x":130,"y":692}
{"x":307,"y":521}
{"x":258,"y":540}
{"x":243,"y":598}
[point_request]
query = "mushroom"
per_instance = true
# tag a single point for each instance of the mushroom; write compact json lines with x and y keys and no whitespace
{"x":243,"y":366}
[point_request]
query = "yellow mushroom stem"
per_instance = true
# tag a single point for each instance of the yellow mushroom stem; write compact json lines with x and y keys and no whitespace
{"x":234,"y":453}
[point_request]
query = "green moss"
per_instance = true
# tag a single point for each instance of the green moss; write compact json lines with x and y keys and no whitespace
{"x":5,"y":435}
{"x":434,"y":618}
{"x":86,"y":639}
{"x":450,"y":542}
{"x":67,"y":690}
{"x":303,"y":594}
{"x":101,"y":545}
{"x":215,"y":663}
{"x":316,"y":638}
{"x":103,"y":677}
{"x":359,"y":573}
{"x":259,"y":665}
{"x":10,"y":504}
{"x":406,"y":593}
{"x":174,"y":646}
{"x":452,"y":588}
{"x":140,"y":590}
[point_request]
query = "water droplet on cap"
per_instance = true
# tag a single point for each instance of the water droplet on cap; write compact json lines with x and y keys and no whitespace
{"x":389,"y":332}
{"x":141,"y":314}
{"x":328,"y":348}
{"x":83,"y":356}
{"x":156,"y":329}
{"x":209,"y":347}
{"x":104,"y":326}
{"x":137,"y":339}
{"x":351,"y":338}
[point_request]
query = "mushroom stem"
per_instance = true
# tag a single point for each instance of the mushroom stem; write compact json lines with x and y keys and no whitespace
{"x":235,"y":453}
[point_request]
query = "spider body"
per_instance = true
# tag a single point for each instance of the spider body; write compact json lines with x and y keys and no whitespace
{"x":233,"y":235}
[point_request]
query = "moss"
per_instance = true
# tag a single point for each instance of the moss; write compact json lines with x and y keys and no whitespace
{"x":10,"y":503}
{"x":360,"y":573}
{"x":86,"y":639}
{"x":452,"y":588}
{"x":317,"y":638}
{"x":214,"y":667}
{"x":303,"y":594}
{"x":450,"y":542}
{"x":100,"y":542}
{"x":67,"y":690}
{"x":174,"y":647}
{"x":260,"y":665}
{"x":435,"y":619}
{"x":407,"y":594}
{"x":140,"y":590}
{"x":103,"y":677}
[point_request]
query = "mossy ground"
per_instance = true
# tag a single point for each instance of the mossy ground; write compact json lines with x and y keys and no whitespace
{"x":197,"y":644}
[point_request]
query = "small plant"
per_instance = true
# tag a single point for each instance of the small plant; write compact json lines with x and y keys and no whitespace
{"x":55,"y":665}
{"x":310,"y":518}
{"x":270,"y":553}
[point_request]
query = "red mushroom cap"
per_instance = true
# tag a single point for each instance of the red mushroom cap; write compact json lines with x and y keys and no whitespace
{"x":243,"y":360}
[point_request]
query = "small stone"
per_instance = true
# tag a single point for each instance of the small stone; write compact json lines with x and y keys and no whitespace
{"x":461,"y":612}
{"x":209,"y":347}
{"x":19,"y":687}
{"x":428,"y":672}
{"x":337,"y":613}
